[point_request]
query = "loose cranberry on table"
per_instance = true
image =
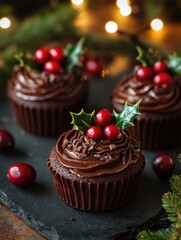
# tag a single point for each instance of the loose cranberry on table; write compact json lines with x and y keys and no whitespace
{"x":6,"y":141}
{"x":164,"y":165}
{"x":144,"y":73}
{"x":94,"y":132}
{"x":93,"y":66}
{"x":21,"y":174}
{"x":162,"y":80}
{"x":103,"y":118}
{"x":160,"y":66}
{"x":57,"y":54}
{"x":112,"y":132}
{"x":41,"y":55}
{"x":52,"y":67}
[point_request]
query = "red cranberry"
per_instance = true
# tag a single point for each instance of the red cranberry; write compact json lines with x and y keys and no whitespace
{"x":41,"y":55}
{"x":112,"y":132}
{"x":103,"y":118}
{"x":6,"y":141}
{"x":162,"y":80}
{"x":21,"y":174}
{"x":163,"y":165}
{"x":94,"y":132}
{"x":56,"y":54}
{"x":144,"y":73}
{"x":93,"y":66}
{"x":160,"y":67}
{"x":83,"y":58}
{"x":52,"y":67}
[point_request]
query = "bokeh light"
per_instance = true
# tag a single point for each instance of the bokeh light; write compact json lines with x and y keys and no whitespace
{"x":125,"y":10}
{"x":122,"y":3}
{"x":111,"y":27}
{"x":156,"y":24}
{"x":5,"y":23}
{"x":77,"y":2}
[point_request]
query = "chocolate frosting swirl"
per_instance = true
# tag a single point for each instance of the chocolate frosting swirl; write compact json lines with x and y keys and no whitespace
{"x":153,"y":97}
{"x":32,"y":86}
{"x":88,"y":158}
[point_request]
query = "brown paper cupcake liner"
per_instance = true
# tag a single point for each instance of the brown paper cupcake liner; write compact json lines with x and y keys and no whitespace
{"x":91,"y":196}
{"x":158,"y":132}
{"x":45,"y":119}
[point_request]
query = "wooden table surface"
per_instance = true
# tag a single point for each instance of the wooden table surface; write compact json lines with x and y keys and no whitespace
{"x":13,"y":228}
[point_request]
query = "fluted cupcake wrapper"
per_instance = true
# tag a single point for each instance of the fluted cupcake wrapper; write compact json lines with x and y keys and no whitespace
{"x":91,"y":196}
{"x":45,"y":119}
{"x":156,"y":133}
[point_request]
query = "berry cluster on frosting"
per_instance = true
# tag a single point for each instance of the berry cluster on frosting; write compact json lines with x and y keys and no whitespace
{"x":157,"y":69}
{"x":104,"y":124}
{"x":51,"y":59}
{"x":55,"y":60}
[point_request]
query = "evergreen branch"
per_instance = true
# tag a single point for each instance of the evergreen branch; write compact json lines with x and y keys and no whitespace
{"x":179,"y":159}
{"x":165,"y":234}
{"x":175,"y":185}
{"x":172,"y":205}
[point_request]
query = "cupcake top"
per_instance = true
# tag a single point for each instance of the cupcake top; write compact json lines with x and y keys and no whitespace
{"x":51,"y":74}
{"x":154,"y":82}
{"x":33,"y":86}
{"x":99,"y":144}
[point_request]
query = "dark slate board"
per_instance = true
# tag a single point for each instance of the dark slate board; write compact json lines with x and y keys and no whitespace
{"x":40,"y":206}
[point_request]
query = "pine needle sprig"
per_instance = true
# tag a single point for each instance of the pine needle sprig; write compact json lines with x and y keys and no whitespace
{"x":172,"y":204}
{"x":175,"y":185}
{"x":159,"y":235}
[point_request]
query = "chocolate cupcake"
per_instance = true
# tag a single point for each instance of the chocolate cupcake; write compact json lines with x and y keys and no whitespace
{"x":158,"y":127}
{"x":96,"y":170}
{"x":41,"y":100}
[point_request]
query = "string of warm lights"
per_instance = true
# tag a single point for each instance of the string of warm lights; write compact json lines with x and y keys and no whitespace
{"x":110,"y":26}
{"x":126,"y":10}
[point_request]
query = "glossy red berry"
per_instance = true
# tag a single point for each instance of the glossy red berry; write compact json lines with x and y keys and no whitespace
{"x":112,"y":132}
{"x":52,"y":67}
{"x":144,"y":73}
{"x":6,"y":141}
{"x":163,"y":165}
{"x":162,"y":80}
{"x":22,"y":174}
{"x":93,"y":66}
{"x":56,"y":54}
{"x":94,"y":132}
{"x":103,"y":118}
{"x":83,"y":58}
{"x":41,"y":55}
{"x":160,"y":66}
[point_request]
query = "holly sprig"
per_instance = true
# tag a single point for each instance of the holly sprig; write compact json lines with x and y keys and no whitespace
{"x":174,"y":64}
{"x":26,"y":60}
{"x":125,"y":118}
{"x":72,"y":55}
{"x":145,"y":57}
{"x":150,"y":56}
{"x":82,"y":121}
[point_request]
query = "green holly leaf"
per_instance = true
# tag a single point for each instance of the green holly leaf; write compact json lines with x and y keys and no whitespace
{"x":82,"y":120}
{"x":174,"y":64}
{"x":72,"y":55}
{"x":125,"y":118}
{"x":144,"y":57}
